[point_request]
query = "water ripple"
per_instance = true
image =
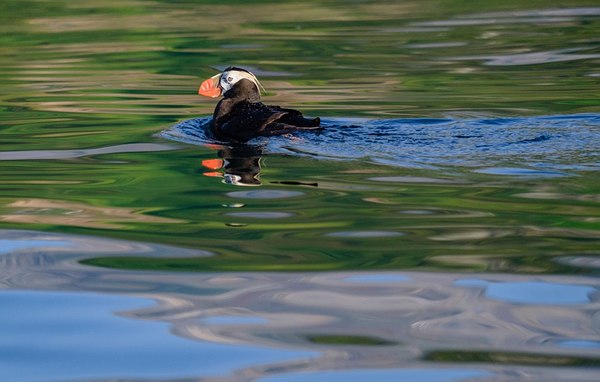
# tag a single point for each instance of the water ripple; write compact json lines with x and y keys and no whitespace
{"x":339,"y":318}
{"x":537,"y":145}
{"x":265,"y":194}
{"x":531,"y":58}
{"x":79,"y":153}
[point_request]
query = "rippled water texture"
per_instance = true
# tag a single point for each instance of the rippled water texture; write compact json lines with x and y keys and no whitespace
{"x":443,"y":226}
{"x":539,"y":146}
{"x":379,"y":325}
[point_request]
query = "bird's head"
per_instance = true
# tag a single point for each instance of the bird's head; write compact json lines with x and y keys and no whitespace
{"x":219,"y":84}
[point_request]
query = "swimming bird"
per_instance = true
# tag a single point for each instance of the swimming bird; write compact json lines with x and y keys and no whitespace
{"x":241,"y":116}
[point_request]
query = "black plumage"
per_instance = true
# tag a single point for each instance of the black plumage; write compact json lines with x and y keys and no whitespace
{"x":241,"y":116}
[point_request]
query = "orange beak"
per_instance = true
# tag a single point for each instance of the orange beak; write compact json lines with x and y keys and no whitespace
{"x":210,"y":87}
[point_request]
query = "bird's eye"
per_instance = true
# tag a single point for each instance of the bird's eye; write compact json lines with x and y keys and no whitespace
{"x":229,"y":79}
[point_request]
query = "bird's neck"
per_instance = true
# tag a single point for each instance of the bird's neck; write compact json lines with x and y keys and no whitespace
{"x":243,"y":90}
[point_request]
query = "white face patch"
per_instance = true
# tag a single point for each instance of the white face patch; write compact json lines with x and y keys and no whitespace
{"x":231,"y":77}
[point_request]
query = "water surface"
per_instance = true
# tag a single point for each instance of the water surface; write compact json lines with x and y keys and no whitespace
{"x":281,"y":326}
{"x":444,"y":226}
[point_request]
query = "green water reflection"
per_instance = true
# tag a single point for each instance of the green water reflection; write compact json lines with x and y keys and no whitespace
{"x":512,"y":358}
{"x":87,"y":75}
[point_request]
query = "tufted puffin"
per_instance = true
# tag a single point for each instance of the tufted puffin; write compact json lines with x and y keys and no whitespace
{"x":240,"y":116}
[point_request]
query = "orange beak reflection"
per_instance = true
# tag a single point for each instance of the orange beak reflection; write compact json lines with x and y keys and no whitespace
{"x":215,"y":165}
{"x":210,"y":87}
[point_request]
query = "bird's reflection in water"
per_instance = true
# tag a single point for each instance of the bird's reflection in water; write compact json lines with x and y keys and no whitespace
{"x":238,"y":165}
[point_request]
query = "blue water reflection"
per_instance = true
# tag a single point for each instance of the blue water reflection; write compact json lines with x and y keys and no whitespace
{"x":62,"y":320}
{"x":8,"y":246}
{"x":533,"y":292}
{"x":580,"y":344}
{"x":394,"y":375}
{"x":80,"y":336}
